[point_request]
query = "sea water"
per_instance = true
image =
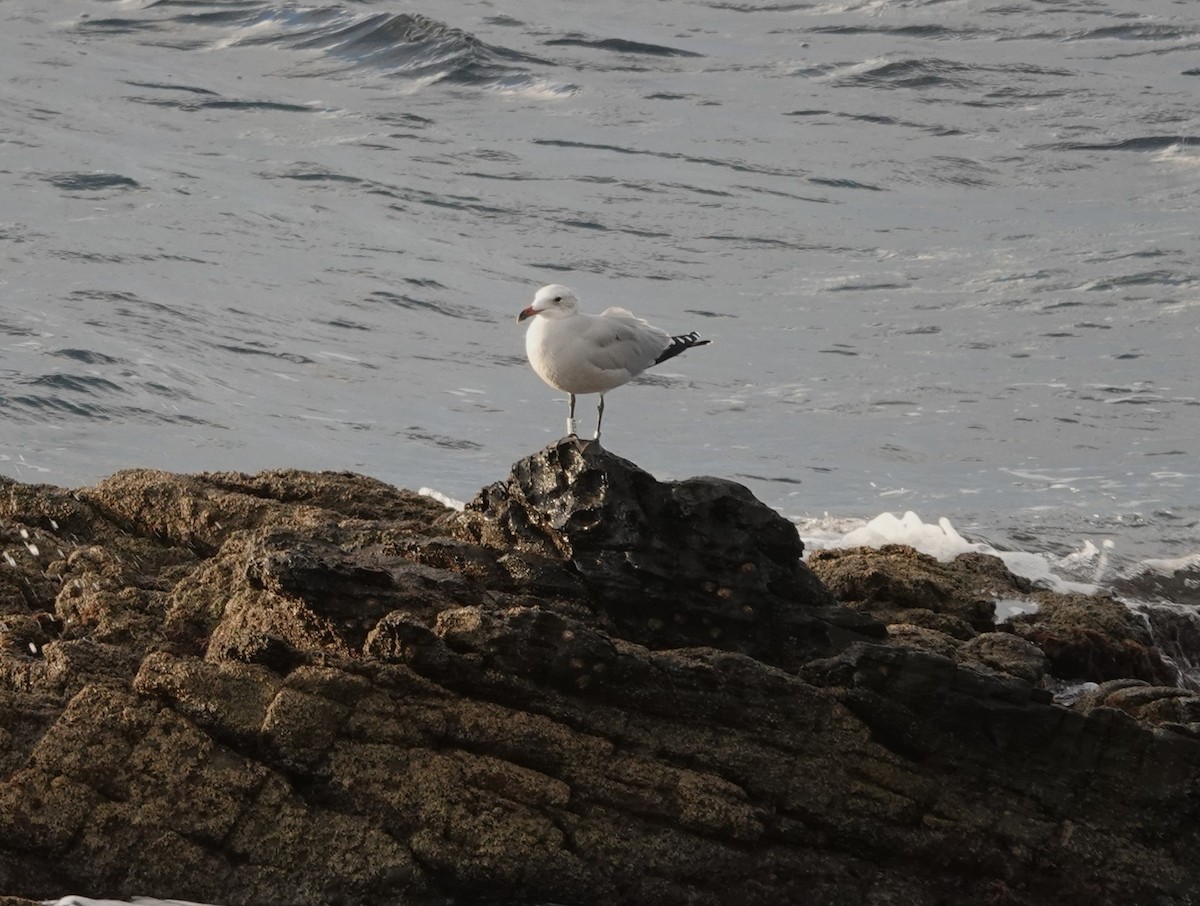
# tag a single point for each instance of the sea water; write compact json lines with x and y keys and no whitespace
{"x":946,"y":251}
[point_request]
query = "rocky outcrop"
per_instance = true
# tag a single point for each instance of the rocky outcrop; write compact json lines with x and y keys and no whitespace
{"x":899,"y":585}
{"x":949,"y":608}
{"x":590,"y":687}
{"x":669,"y":564}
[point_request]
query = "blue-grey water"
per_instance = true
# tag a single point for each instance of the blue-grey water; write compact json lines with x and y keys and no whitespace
{"x":948,"y":252}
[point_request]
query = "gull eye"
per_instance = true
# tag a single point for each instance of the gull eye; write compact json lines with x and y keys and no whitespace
{"x":558,"y":298}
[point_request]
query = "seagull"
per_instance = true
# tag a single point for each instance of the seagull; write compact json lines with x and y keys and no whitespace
{"x":581,"y":353}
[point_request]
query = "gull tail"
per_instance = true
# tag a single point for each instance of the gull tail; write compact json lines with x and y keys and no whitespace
{"x":680,"y":344}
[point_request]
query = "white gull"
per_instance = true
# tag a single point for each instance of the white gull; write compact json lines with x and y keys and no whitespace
{"x":581,"y":353}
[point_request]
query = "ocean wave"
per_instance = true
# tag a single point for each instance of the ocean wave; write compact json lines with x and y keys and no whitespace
{"x":411,"y":45}
{"x":404,"y":45}
{"x":1142,"y":31}
{"x":915,"y":73}
{"x":1152,"y":143}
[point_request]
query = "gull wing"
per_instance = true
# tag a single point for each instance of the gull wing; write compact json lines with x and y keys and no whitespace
{"x":615,"y":340}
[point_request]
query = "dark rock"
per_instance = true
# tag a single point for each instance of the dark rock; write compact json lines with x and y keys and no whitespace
{"x":897,"y":584}
{"x":1163,"y":706}
{"x":1175,"y":631}
{"x":910,"y":635}
{"x":401,"y":639}
{"x":696,"y":562}
{"x":1082,"y":637}
{"x":990,"y":652}
{"x":1093,"y":638}
{"x":1005,"y":653}
{"x":311,"y":688}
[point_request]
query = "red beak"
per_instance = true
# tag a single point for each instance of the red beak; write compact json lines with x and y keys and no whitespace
{"x":527,"y":313}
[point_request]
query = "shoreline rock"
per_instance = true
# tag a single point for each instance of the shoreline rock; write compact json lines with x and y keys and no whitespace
{"x":589,"y":687}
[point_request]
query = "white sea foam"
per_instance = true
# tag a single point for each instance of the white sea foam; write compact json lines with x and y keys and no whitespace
{"x":1012,"y":607}
{"x":1171,"y":566}
{"x":443,"y":499}
{"x":939,"y":540}
{"x":525,"y":86}
{"x":943,"y":541}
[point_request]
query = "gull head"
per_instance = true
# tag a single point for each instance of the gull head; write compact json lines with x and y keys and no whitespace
{"x":552,"y":301}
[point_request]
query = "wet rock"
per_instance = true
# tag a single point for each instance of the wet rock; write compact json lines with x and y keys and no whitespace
{"x":695,"y":562}
{"x":897,"y":584}
{"x":1005,"y":653}
{"x":990,"y":652}
{"x":1163,"y":706}
{"x":910,"y":635}
{"x":1082,"y":637}
{"x":1093,"y":638}
{"x":1175,"y":631}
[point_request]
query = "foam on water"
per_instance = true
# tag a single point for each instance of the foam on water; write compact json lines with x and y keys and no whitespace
{"x":443,"y":499}
{"x":939,"y":540}
{"x":1083,"y":571}
{"x":1172,"y":566}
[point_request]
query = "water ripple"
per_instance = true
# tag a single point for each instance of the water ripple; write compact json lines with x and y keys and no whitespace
{"x":91,"y":182}
{"x":1140,"y":143}
{"x":412,"y":303}
{"x":621,"y":46}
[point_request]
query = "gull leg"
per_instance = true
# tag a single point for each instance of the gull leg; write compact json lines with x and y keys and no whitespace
{"x":571,"y":428}
{"x":600,"y":416}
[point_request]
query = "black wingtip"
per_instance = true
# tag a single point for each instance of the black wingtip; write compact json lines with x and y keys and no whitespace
{"x":680,"y":344}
